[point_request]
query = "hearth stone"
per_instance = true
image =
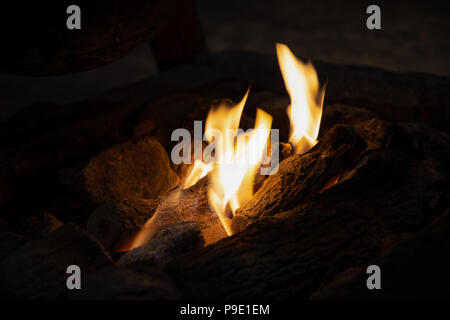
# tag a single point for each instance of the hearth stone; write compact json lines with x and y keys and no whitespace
{"x":138,"y":168}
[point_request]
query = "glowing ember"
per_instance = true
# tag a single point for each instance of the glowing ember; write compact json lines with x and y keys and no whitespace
{"x":305,"y":111}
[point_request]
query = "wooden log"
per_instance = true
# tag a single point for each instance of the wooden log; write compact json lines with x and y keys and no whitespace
{"x":172,"y":241}
{"x":300,"y":176}
{"x":184,"y":205}
{"x":293,"y":253}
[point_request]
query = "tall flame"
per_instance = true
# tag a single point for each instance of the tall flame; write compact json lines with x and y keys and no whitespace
{"x":238,"y":157}
{"x":305,"y":111}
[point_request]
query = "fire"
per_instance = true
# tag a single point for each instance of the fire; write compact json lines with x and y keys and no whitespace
{"x":236,"y":163}
{"x":238,"y":155}
{"x":305,"y":111}
{"x":198,"y":171}
{"x":232,"y":174}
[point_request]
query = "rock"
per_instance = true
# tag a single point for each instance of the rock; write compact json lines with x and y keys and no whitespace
{"x":175,"y":240}
{"x":37,"y":269}
{"x":116,"y":223}
{"x":138,"y":168}
{"x":416,"y":268}
{"x":39,"y":226}
{"x":127,"y":282}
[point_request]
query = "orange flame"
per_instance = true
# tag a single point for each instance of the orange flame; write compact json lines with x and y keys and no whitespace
{"x":199,"y":170}
{"x":305,"y":111}
{"x":237,"y":159}
{"x":236,"y":164}
{"x":238,"y":155}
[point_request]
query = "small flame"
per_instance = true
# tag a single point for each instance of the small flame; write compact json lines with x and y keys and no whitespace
{"x":305,"y":111}
{"x":198,"y":171}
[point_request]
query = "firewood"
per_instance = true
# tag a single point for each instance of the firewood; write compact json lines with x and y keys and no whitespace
{"x":185,"y":205}
{"x":292,"y":253}
{"x":302,"y":175}
{"x":172,"y":241}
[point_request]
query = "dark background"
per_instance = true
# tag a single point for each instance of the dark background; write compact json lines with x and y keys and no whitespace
{"x":414,"y":37}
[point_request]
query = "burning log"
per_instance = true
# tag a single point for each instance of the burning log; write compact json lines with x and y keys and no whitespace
{"x":183,"y":205}
{"x":302,"y":175}
{"x":292,"y":253}
{"x":365,"y":188}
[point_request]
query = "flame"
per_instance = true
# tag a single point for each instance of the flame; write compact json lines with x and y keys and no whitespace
{"x":198,"y":171}
{"x":236,"y":163}
{"x":238,"y":155}
{"x":237,"y":158}
{"x":305,"y":110}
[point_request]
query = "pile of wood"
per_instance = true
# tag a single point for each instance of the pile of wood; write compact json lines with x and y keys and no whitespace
{"x":80,"y":182}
